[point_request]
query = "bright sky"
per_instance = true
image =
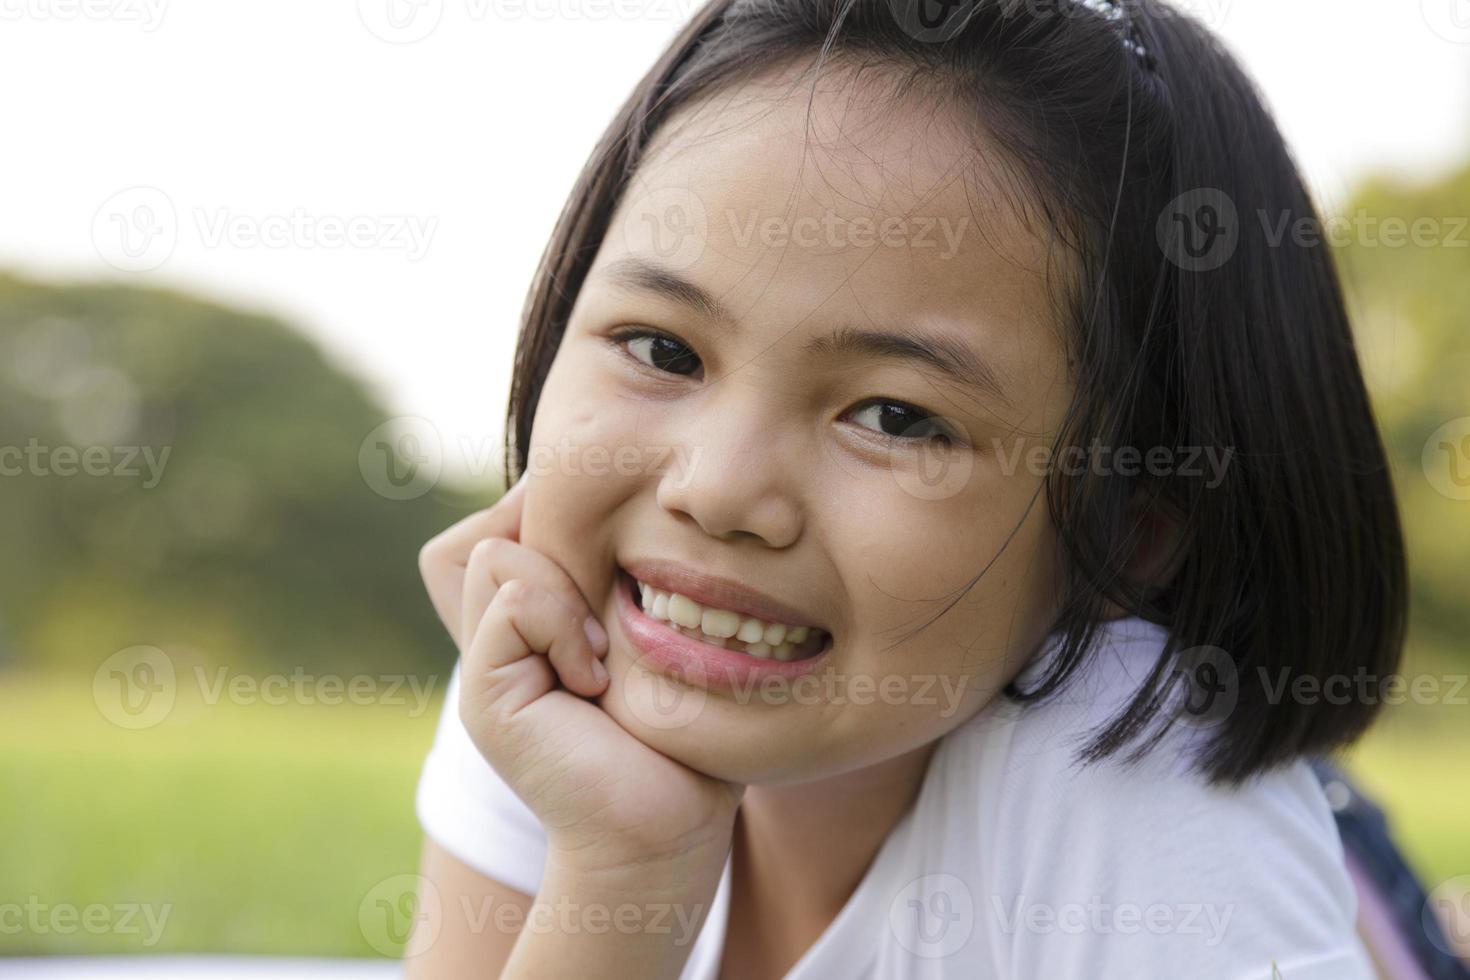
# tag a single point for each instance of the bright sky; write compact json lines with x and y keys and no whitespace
{"x":385,"y":173}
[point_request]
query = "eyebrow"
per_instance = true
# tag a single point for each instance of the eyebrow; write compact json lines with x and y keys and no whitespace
{"x":953,"y":359}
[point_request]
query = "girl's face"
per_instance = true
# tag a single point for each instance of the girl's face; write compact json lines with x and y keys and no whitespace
{"x":822,"y":375}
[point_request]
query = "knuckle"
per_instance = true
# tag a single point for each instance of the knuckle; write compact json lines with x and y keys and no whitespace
{"x":428,"y":556}
{"x":514,"y":592}
{"x":488,"y":550}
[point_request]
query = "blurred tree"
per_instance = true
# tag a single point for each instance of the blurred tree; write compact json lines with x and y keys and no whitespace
{"x":183,"y":475}
{"x":1404,"y":249}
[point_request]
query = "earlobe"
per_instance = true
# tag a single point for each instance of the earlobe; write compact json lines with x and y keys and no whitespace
{"x":1156,"y":534}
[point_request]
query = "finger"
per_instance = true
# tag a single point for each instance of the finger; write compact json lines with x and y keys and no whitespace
{"x":524,"y":620}
{"x":442,"y":561}
{"x":497,"y":560}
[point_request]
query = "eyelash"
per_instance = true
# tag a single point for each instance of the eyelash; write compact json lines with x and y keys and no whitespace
{"x":943,"y":434}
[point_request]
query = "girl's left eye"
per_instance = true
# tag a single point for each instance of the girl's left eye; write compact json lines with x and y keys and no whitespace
{"x":900,"y":421}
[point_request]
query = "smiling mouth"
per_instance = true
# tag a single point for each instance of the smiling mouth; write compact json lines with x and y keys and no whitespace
{"x":726,"y":629}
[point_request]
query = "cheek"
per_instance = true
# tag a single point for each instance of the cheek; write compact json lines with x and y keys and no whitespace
{"x":914,"y":568}
{"x":582,"y":462}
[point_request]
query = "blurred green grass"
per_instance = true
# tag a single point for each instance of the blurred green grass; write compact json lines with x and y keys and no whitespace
{"x":260,"y":827}
{"x":263,"y":827}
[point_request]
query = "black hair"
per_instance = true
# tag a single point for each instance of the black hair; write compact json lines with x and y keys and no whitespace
{"x":1148,"y":151}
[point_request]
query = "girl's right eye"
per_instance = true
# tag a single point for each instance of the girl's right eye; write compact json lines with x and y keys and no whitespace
{"x":659,"y":351}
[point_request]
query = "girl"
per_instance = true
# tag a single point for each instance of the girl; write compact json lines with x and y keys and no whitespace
{"x":932,"y":479}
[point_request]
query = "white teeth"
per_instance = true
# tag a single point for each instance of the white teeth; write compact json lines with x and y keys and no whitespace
{"x":722,"y":627}
{"x":720,"y":622}
{"x":684,"y":611}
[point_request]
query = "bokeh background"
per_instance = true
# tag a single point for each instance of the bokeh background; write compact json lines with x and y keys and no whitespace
{"x":261,"y":266}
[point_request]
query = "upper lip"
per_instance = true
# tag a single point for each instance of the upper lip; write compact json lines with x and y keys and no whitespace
{"x":714,"y":590}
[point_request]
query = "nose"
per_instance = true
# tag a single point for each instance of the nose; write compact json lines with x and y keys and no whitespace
{"x":732,"y":482}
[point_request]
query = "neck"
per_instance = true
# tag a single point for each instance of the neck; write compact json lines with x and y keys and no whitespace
{"x":807,"y":846}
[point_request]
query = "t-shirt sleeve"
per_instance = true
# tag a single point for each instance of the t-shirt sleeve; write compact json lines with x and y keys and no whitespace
{"x":1117,"y":871}
{"x":467,"y":809}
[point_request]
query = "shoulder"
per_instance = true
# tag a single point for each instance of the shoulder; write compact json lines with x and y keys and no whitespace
{"x":1111,"y":868}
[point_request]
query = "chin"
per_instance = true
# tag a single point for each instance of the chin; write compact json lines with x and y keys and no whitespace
{"x":719,"y":738}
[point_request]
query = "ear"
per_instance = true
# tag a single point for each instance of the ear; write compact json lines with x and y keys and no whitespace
{"x":1155,"y":533}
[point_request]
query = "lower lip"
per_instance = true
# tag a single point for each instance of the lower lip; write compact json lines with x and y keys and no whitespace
{"x":688,"y":660}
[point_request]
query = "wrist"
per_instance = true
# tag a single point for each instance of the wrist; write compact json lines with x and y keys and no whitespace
{"x":640,"y":867}
{"x":605,"y":916}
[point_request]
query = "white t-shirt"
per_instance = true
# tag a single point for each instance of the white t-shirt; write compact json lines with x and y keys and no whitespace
{"x":1015,"y":862}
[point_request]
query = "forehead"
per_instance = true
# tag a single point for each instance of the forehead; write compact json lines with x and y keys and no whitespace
{"x":802,"y":201}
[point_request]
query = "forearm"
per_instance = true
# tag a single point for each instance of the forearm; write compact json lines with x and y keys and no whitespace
{"x":635,"y":923}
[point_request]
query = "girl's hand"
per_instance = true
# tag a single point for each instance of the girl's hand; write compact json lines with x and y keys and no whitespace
{"x":606,"y":800}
